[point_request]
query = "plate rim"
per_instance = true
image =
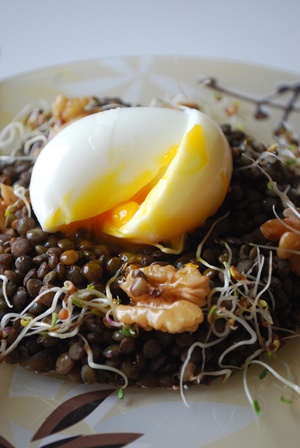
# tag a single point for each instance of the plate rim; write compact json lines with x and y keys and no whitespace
{"x":209,"y":59}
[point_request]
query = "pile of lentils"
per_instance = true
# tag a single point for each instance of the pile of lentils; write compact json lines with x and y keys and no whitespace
{"x":33,"y":261}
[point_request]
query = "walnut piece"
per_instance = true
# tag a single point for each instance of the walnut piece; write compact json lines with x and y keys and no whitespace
{"x":7,"y":194}
{"x":65,"y":109}
{"x":164,"y":298}
{"x":177,"y":317}
{"x":7,"y":198}
{"x":287,"y":234}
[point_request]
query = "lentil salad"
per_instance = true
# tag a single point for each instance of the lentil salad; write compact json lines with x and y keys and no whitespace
{"x":252,"y":307}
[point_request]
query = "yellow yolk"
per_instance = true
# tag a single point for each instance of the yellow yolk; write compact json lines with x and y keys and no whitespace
{"x":121,"y":214}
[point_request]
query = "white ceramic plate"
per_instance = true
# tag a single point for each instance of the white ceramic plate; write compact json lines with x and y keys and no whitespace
{"x":40,"y":411}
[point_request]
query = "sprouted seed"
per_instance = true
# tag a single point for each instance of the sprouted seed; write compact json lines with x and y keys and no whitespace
{"x":94,"y":365}
{"x":279,"y":377}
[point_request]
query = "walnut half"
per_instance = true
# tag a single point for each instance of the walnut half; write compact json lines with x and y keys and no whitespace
{"x":164,"y":298}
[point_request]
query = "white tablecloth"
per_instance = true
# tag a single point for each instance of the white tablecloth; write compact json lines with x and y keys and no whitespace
{"x":39,"y":33}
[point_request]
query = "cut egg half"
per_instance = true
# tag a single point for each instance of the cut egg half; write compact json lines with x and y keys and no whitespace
{"x":144,"y":174}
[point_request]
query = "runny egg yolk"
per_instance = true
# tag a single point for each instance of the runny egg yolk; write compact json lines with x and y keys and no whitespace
{"x":121,"y":214}
{"x":148,"y":175}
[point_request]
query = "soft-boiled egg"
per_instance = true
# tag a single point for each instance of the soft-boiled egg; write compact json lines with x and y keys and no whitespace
{"x":146,"y":174}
